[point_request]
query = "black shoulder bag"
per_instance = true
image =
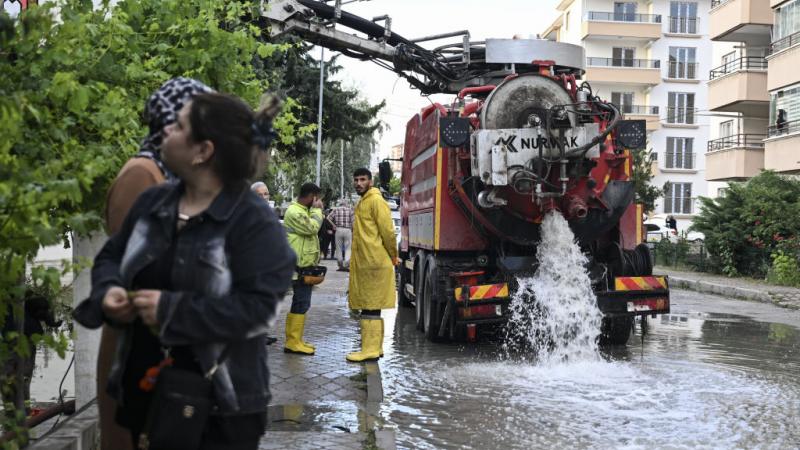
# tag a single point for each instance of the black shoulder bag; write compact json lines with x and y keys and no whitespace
{"x":179,"y":410}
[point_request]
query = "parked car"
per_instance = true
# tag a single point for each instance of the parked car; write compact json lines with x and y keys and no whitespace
{"x":396,"y":221}
{"x":656,"y":230}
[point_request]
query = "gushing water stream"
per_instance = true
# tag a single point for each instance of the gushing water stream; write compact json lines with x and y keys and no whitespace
{"x":555,"y":312}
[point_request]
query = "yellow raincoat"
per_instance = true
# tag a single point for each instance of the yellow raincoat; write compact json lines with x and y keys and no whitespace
{"x":373,"y":251}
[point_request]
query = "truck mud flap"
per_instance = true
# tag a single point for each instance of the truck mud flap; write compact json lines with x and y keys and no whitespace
{"x":634,"y":296}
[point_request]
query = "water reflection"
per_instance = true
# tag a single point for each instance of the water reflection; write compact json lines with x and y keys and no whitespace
{"x":695,"y":380}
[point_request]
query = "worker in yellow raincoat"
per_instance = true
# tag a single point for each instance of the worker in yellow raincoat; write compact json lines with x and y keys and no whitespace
{"x":372,"y":261}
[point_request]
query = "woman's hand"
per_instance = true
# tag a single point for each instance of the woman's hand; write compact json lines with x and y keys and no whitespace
{"x":117,"y":306}
{"x":146,"y":303}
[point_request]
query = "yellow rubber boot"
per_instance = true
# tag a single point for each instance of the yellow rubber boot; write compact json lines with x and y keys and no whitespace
{"x":294,"y":335}
{"x":370,"y":341}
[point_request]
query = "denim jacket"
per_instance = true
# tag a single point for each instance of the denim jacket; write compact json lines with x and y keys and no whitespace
{"x":232,"y":265}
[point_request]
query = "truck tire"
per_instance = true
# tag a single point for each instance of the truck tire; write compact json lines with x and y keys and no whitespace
{"x":419,"y":283}
{"x":431,"y":306}
{"x":402,"y":297}
{"x":616,"y":330}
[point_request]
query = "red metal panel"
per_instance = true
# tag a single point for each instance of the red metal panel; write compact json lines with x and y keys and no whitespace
{"x":456,"y":231}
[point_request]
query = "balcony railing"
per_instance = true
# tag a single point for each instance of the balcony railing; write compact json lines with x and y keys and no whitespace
{"x":683,"y":70}
{"x":746,"y":140}
{"x":679,"y":160}
{"x":624,"y":17}
{"x":785,"y":42}
{"x":685,"y":116}
{"x":683,"y":25}
{"x":792,"y":126}
{"x":743,"y":63}
{"x":638,"y":109}
{"x":624,"y":62}
{"x":679,"y":205}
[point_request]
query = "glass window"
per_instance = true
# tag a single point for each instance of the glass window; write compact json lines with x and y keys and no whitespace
{"x":784,"y":111}
{"x":726,"y":129}
{"x":680,"y":108}
{"x":625,"y":11}
{"x":678,"y":198}
{"x":683,"y":17}
{"x":682,"y":62}
{"x":679,"y":153}
{"x":787,"y":20}
{"x":623,"y":100}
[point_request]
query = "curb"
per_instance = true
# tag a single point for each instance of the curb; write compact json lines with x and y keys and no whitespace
{"x":706,"y":287}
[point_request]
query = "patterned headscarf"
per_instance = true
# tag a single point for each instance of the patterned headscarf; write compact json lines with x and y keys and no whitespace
{"x":161,"y":110}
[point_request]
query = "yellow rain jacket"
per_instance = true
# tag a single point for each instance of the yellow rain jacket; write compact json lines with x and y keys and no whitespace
{"x":373,"y":251}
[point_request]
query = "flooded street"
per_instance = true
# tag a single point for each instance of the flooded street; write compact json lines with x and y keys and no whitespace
{"x":715,"y":373}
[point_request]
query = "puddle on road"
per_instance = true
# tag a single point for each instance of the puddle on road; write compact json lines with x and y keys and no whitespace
{"x":329,"y":416}
{"x":698,"y":380}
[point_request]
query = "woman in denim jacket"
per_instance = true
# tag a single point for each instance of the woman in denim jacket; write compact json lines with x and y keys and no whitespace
{"x":198,"y":268}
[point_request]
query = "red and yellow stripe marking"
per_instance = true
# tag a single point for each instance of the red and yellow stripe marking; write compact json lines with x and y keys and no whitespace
{"x":639,"y":283}
{"x":484,"y":291}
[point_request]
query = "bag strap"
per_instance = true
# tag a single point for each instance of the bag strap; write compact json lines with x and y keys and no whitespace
{"x":224,"y":355}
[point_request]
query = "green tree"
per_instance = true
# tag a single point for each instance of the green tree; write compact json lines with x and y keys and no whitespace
{"x":394,"y":186}
{"x":72,"y":96}
{"x":642,"y":175}
{"x":752,"y":222}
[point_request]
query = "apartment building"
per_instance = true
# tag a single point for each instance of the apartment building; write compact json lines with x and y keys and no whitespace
{"x":395,"y":153}
{"x":756,"y":79}
{"x":651,"y":58}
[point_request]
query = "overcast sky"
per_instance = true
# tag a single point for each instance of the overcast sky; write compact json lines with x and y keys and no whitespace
{"x":417,"y":18}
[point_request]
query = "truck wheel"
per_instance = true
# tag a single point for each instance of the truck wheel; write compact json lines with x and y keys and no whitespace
{"x":419,"y":283}
{"x":431,"y":307}
{"x":616,"y":330}
{"x":402,"y":297}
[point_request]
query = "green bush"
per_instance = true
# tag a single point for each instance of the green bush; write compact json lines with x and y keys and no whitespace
{"x":750,"y":223}
{"x":785,"y":269}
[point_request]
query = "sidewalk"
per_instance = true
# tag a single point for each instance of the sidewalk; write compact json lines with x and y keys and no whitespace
{"x":740,"y":288}
{"x":322,"y":401}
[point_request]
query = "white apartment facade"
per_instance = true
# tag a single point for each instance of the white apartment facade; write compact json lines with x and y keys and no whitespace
{"x":652,"y":59}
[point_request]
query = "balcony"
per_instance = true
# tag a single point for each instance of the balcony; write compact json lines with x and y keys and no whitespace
{"x":782,"y":148}
{"x":609,"y":25}
{"x":682,"y":70}
{"x":746,"y":21}
{"x":783,"y":69}
{"x":683,"y":26}
{"x":640,"y":112}
{"x":623,"y":71}
{"x":740,"y":86}
{"x":680,"y":117}
{"x":679,"y":162}
{"x":735,"y":158}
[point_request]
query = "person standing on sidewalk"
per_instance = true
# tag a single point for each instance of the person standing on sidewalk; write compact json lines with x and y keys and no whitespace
{"x":144,"y":170}
{"x":342,"y":218}
{"x":302,"y":220}
{"x":371,"y":265}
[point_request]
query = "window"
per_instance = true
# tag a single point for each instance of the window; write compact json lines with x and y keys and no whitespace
{"x":623,"y":100}
{"x":679,"y":153}
{"x":726,"y":129}
{"x":680,"y":108}
{"x":722,"y":192}
{"x":625,"y":11}
{"x":784,"y":111}
{"x":682,"y":63}
{"x":683,"y":17}
{"x":787,"y":20}
{"x":622,"y":56}
{"x":678,"y":198}
{"x":566,"y":21}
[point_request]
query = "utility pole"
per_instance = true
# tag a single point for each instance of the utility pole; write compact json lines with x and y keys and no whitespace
{"x":341,"y":168}
{"x":319,"y":113}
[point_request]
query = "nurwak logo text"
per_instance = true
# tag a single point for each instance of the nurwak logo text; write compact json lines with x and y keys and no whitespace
{"x":536,"y":142}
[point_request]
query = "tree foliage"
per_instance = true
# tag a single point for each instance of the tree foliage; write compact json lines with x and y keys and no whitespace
{"x":641,"y":175}
{"x":345,"y":114}
{"x":75,"y":79}
{"x":752,"y":224}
